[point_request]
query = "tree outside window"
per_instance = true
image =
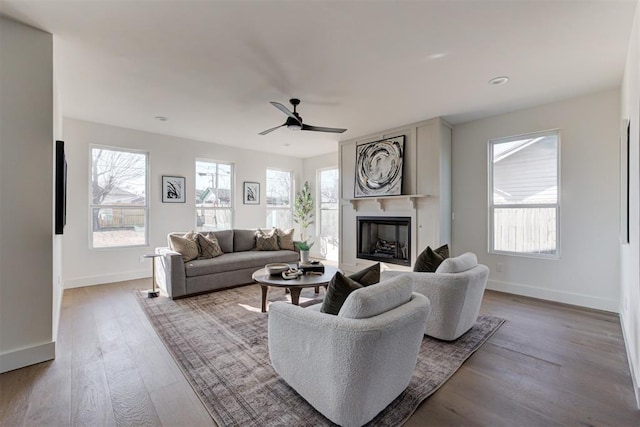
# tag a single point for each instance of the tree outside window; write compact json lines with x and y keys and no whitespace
{"x":118,"y":198}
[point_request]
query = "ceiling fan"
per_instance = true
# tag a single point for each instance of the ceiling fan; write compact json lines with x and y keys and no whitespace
{"x":294,"y":121}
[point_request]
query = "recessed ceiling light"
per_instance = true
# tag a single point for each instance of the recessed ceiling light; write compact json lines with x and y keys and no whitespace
{"x":161,"y":118}
{"x":497,"y":81}
{"x":435,"y":56}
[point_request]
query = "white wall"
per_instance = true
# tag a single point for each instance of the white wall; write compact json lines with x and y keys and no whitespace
{"x":58,"y":288}
{"x":587,"y":272}
{"x":630,"y":253}
{"x":311,"y":166}
{"x":26,"y":209}
{"x":168,"y":155}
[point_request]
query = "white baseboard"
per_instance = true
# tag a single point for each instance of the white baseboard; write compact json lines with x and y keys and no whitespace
{"x":80,"y":282}
{"x":634,"y":369}
{"x":27,"y":356}
{"x":554,"y":295}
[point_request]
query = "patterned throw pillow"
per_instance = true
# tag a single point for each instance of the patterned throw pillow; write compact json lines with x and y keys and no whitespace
{"x":209,"y":246}
{"x":185,"y":246}
{"x":285,"y":239}
{"x":341,"y":286}
{"x":267,"y":241}
{"x":429,"y":260}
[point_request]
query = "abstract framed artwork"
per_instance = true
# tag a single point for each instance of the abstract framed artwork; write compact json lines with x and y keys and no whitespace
{"x":173,"y":189}
{"x":251,"y":193}
{"x":379,"y":168}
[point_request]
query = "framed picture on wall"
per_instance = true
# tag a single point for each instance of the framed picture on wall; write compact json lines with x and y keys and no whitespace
{"x":251,"y":193}
{"x":173,"y":189}
{"x":379,"y":167}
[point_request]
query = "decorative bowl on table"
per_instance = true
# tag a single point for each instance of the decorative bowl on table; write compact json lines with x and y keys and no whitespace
{"x":276,"y":268}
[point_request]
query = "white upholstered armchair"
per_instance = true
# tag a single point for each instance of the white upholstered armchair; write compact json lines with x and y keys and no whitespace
{"x":455,"y":291}
{"x":350,"y":366}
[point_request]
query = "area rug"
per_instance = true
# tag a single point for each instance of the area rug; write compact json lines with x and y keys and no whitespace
{"x":219,"y":340}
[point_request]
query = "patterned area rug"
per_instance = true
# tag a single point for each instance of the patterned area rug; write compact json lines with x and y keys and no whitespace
{"x":219,"y":340}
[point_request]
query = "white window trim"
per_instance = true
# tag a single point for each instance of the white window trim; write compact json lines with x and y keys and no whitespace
{"x":319,"y":197}
{"x":146,"y":199}
{"x":232,"y":184}
{"x":491,"y":206}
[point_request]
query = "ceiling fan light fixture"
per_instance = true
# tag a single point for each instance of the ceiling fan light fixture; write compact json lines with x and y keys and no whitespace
{"x":294,"y":121}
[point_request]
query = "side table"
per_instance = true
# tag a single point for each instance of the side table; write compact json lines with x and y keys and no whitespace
{"x":152,"y":293}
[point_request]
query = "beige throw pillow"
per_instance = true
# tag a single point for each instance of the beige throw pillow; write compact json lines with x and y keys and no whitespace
{"x":267,"y":241}
{"x":208,"y":245}
{"x":185,"y":246}
{"x":285,"y":239}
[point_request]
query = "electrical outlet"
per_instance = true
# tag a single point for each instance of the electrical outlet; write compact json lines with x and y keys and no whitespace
{"x":499,"y":267}
{"x":141,"y":259}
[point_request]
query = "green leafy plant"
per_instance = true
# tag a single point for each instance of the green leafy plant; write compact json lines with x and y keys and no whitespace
{"x":303,"y":211}
{"x":304,"y":246}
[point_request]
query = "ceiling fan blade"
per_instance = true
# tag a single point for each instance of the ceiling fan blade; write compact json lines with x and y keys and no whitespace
{"x":322,"y":129}
{"x":264,"y":132}
{"x":285,"y":110}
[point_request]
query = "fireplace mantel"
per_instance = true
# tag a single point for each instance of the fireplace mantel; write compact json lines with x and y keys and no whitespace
{"x":381,"y":200}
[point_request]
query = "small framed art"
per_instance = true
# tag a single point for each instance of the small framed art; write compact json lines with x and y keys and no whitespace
{"x":251,"y":193}
{"x":173,"y":189}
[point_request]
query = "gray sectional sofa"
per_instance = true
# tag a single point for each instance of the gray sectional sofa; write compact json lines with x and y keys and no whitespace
{"x":234,"y":267}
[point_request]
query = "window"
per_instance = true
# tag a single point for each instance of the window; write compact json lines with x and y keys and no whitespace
{"x":328,"y":218}
{"x":279,"y":196}
{"x":214,"y":195}
{"x":523,"y":204}
{"x":118,"y":203}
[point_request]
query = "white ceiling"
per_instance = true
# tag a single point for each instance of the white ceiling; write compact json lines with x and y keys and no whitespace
{"x":212,"y":67}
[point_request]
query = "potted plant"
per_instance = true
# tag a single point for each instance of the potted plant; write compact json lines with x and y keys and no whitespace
{"x":303,"y":215}
{"x":304,"y":247}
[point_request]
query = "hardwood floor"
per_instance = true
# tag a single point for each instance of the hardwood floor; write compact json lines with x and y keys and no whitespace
{"x":549,"y":364}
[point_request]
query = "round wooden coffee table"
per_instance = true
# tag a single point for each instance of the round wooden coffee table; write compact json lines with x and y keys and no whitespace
{"x":293,"y":285}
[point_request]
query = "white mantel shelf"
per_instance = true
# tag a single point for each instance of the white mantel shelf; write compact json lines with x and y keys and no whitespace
{"x":381,"y":200}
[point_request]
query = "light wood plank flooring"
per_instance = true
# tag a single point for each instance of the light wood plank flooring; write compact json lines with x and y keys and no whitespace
{"x":548,"y":365}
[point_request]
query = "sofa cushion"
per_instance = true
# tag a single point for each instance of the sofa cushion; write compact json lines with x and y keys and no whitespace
{"x":376,"y":299}
{"x":458,"y":264}
{"x":267,"y":240}
{"x":285,"y":239}
{"x":237,"y":261}
{"x":209,"y":246}
{"x":225,"y":240}
{"x":429,"y":260}
{"x":244,"y":240}
{"x":185,"y":245}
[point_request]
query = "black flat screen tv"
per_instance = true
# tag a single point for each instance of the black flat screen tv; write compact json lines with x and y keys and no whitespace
{"x":60,"y":189}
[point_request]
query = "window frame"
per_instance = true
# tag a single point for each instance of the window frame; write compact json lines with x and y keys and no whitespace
{"x":492,"y":207}
{"x":319,"y":203}
{"x":146,"y":198}
{"x":291,"y":197}
{"x":232,"y":193}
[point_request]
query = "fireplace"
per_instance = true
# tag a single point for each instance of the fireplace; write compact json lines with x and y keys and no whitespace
{"x":385,"y":239}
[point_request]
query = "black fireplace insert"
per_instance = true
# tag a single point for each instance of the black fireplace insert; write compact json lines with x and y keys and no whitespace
{"x":385,"y":239}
